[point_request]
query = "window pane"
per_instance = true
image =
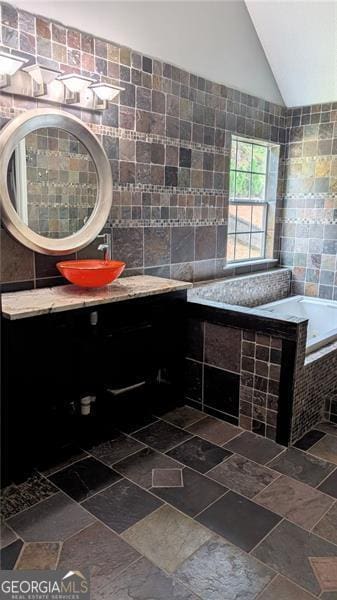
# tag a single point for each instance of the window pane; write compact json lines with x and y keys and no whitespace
{"x":258,"y":221}
{"x":230,"y":247}
{"x":233,"y":154}
{"x":244,"y":156}
{"x":231,"y":218}
{"x":257,"y":245}
{"x":242,"y":185}
{"x":242,"y":246}
{"x":244,"y":218}
{"x":257,"y":191}
{"x":259,"y":159}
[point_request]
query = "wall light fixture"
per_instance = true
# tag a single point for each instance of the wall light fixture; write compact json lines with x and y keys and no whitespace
{"x":9,"y":65}
{"x":51,"y":85}
{"x":74,"y":84}
{"x":41,"y":77}
{"x":105,"y":92}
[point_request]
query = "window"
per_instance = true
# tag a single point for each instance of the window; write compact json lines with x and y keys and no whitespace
{"x":248,"y":202}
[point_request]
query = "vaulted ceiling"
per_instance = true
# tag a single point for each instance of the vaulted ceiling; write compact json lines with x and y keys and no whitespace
{"x":300,"y":42}
{"x":281,"y":50}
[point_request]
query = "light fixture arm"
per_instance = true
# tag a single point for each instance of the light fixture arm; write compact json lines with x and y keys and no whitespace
{"x":53,"y":86}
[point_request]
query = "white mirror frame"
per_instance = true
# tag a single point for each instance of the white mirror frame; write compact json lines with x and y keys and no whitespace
{"x":10,"y":136}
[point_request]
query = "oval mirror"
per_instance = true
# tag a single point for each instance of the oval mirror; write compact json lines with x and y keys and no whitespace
{"x":56,"y":185}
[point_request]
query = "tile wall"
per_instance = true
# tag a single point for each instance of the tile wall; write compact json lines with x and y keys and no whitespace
{"x":167,"y":138}
{"x":315,"y":387}
{"x":247,"y":290}
{"x":61,"y":182}
{"x":309,"y":215}
{"x":234,"y":374}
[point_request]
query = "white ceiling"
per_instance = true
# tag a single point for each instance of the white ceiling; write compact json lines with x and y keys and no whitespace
{"x":300,"y":42}
{"x":284,"y":51}
{"x":216,"y":40}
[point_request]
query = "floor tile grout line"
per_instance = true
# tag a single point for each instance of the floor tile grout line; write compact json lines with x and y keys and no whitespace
{"x":324,"y":515}
{"x":121,"y":477}
{"x":304,"y":483}
{"x":316,"y":487}
{"x":59,"y":542}
{"x":120,"y":459}
{"x":120,"y":535}
{"x":236,"y":492}
{"x":265,"y":536}
{"x":306,"y":449}
{"x":130,"y":434}
{"x":182,"y":466}
{"x":260,"y":594}
{"x":308,"y":531}
{"x":70,"y":464}
{"x":231,"y":439}
{"x":283,"y":518}
{"x":17,"y":537}
{"x":161,"y":418}
{"x":173,"y":447}
{"x":320,"y":457}
{"x":254,"y":461}
{"x":307,"y":452}
{"x":205,"y":416}
{"x":265,"y":488}
{"x":211,"y":504}
{"x":95,"y":493}
{"x":287,"y":579}
{"x":333,"y":433}
{"x":134,"y":562}
{"x":318,"y":441}
{"x":110,"y":466}
{"x":234,"y":453}
{"x":276,"y":456}
{"x":187,"y":516}
{"x":286,"y":518}
{"x":98,"y":520}
{"x":174,"y":509}
{"x":233,"y":489}
{"x":28,"y":507}
{"x":149,"y":490}
{"x":325,"y":478}
{"x":19,"y":556}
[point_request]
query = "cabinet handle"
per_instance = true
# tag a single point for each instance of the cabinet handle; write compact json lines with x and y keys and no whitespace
{"x":129,"y":388}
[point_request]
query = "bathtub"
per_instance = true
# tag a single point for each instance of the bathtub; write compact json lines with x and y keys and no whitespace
{"x":321,"y":314}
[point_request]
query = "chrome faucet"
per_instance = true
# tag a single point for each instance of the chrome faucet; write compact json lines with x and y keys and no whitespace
{"x":106,"y":246}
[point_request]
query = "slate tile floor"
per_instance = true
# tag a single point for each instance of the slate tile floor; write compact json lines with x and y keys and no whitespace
{"x":184,"y":507}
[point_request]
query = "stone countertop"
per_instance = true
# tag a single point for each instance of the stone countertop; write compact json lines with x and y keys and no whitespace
{"x":32,"y":303}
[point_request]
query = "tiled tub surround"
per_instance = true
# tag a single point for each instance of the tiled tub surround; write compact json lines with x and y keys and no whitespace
{"x":240,"y":361}
{"x":249,"y":366}
{"x":247,"y":290}
{"x":167,"y":138}
{"x":143,"y":534}
{"x":315,"y":386}
{"x":234,"y":374}
{"x":309,"y":215}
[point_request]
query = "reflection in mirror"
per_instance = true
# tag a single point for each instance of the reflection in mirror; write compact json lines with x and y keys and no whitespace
{"x":52,"y":182}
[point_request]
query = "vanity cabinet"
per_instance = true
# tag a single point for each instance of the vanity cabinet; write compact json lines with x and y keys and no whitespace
{"x":129,"y":355}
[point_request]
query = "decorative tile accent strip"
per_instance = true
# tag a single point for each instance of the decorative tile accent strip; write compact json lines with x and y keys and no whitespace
{"x":249,"y":290}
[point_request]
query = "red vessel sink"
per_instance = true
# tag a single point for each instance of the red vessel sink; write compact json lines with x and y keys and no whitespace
{"x":91,"y":273}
